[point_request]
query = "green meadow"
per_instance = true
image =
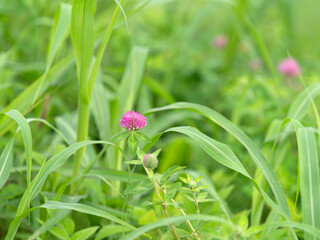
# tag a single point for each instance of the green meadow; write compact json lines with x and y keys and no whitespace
{"x":159,"y":119}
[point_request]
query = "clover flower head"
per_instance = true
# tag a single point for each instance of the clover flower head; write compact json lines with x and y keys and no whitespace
{"x":150,"y":161}
{"x":220,"y":41}
{"x":289,"y":67}
{"x":133,"y":121}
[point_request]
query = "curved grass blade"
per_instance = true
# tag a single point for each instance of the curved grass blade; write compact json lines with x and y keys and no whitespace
{"x":220,"y":152}
{"x":82,"y":38}
{"x":59,"y":32}
{"x":255,"y":153}
{"x":309,"y":179}
{"x":27,"y":140}
{"x":51,"y":165}
{"x":300,"y":105}
{"x":301,"y":226}
{"x":84,"y":209}
{"x":164,"y":222}
{"x":6,"y":162}
{"x":24,"y":101}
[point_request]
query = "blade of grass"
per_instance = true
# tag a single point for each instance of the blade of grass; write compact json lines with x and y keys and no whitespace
{"x":58,"y":34}
{"x":6,"y":162}
{"x":51,"y":165}
{"x":27,"y":140}
{"x":255,"y":153}
{"x":309,"y":179}
{"x":82,"y":208}
{"x":300,"y":105}
{"x":23,"y":102}
{"x":164,"y":222}
{"x":219,"y":151}
{"x":82,"y":38}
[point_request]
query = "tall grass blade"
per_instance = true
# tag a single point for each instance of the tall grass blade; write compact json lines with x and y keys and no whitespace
{"x":6,"y":162}
{"x":24,"y":101}
{"x":51,"y":165}
{"x":131,"y":79}
{"x":309,"y":179}
{"x":27,"y":140}
{"x":85,"y":209}
{"x":300,"y":105}
{"x":59,"y":32}
{"x":255,"y":153}
{"x":219,"y":151}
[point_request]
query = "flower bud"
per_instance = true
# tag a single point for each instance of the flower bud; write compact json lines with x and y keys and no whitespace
{"x":150,"y":161}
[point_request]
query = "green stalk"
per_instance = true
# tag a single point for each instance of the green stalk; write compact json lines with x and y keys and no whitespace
{"x":198,"y":209}
{"x":164,"y":208}
{"x":84,"y":97}
{"x":82,"y":133}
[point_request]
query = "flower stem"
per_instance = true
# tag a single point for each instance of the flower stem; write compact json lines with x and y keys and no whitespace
{"x":198,"y":209}
{"x":194,"y":234}
{"x":164,"y":208}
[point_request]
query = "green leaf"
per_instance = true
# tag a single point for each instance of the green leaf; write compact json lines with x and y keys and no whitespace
{"x":24,"y":101}
{"x":220,"y":152}
{"x":198,"y":179}
{"x":53,"y":220}
{"x":120,"y":136}
{"x":109,"y":230}
{"x":82,"y":38}
{"x":59,"y":233}
{"x":84,"y":233}
{"x":142,"y":137}
{"x":184,"y":180}
{"x":148,"y":203}
{"x":59,"y":31}
{"x":156,"y":153}
{"x":131,"y":79}
{"x":309,"y":178}
{"x":169,"y":172}
{"x":133,"y":144}
{"x":27,"y":140}
{"x":141,"y":154}
{"x":51,"y":165}
{"x":68,"y":224}
{"x":181,"y":233}
{"x":82,"y":208}
{"x":172,"y":191}
{"x":134,"y":162}
{"x":138,"y":187}
{"x":255,"y":153}
{"x":202,"y":197}
{"x":6,"y":162}
{"x":300,"y":105}
{"x":165,"y":222}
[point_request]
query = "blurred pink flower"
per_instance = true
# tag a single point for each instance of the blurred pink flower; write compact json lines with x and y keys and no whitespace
{"x":133,"y":121}
{"x":289,"y":67}
{"x":220,"y":41}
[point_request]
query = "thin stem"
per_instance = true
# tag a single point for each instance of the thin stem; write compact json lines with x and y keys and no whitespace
{"x":156,"y":187}
{"x":198,"y":209}
{"x":194,"y":234}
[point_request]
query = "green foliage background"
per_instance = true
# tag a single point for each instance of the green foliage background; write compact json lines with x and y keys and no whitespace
{"x":155,"y":53}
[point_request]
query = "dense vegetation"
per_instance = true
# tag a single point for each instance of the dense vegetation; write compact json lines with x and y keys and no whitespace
{"x":226,"y":145}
